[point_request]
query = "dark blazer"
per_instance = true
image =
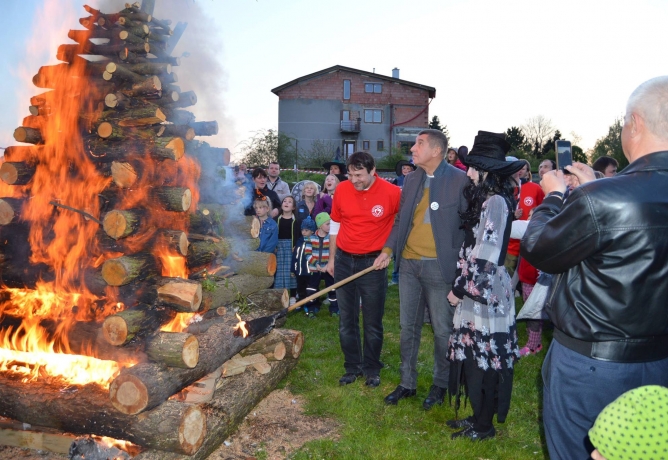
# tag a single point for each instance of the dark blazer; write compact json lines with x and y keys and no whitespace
{"x":446,"y":189}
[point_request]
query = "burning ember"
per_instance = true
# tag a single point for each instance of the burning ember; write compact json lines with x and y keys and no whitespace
{"x":240,"y":328}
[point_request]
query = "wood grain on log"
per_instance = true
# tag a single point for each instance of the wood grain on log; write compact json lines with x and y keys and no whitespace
{"x":172,"y":426}
{"x":271,"y":346}
{"x":179,"y":294}
{"x":10,"y":210}
{"x":229,"y":291}
{"x":28,"y":135}
{"x":174,"y":241}
{"x":178,"y":199}
{"x":174,"y":349}
{"x":255,"y":263}
{"x":16,"y":173}
{"x":184,"y":131}
{"x":124,"y":269}
{"x":269,"y":298}
{"x":124,"y":174}
{"x":122,"y":223}
{"x":135,"y":321}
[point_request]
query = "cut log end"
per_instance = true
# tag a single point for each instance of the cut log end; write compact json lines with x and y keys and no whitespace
{"x":7,"y":213}
{"x":105,"y":129}
{"x":271,"y":265}
{"x":128,"y":394}
{"x":115,"y":224}
{"x":115,"y":330}
{"x":255,"y":227}
{"x":123,"y":173}
{"x":192,"y":430}
{"x":190,"y":353}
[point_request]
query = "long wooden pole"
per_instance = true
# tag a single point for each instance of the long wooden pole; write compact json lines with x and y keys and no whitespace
{"x":331,"y":288}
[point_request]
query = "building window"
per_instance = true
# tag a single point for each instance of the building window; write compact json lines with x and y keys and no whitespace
{"x":380,"y":146}
{"x":373,"y":116}
{"x":346,"y":89}
{"x":373,"y":88}
{"x":366,"y":145}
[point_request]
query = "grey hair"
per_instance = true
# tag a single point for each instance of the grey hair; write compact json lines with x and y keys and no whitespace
{"x":650,"y":101}
{"x":436,"y":139}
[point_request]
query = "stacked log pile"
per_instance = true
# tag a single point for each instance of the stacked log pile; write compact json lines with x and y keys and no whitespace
{"x":149,"y":247}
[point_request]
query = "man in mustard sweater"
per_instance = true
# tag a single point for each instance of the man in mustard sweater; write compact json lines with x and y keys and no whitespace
{"x":426,"y":239}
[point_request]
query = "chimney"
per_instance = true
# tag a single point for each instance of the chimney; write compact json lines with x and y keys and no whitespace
{"x":395,"y":73}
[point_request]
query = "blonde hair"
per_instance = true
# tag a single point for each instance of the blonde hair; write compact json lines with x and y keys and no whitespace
{"x":336,"y":180}
{"x":264,"y":202}
{"x":310,"y":183}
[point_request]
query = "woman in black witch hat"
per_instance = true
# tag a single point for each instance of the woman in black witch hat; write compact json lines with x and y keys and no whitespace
{"x":483,"y":346}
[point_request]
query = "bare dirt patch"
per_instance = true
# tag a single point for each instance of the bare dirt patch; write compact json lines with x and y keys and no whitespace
{"x":274,"y":429}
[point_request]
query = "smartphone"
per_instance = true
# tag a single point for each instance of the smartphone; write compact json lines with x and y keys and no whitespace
{"x":564,"y":155}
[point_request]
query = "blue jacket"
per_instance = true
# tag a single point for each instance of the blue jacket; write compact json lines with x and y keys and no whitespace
{"x":299,"y":260}
{"x":268,"y":236}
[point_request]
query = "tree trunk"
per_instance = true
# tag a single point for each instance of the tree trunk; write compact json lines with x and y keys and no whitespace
{"x":168,"y":97}
{"x":146,"y":385}
{"x":28,"y":135}
{"x":272,"y":346}
{"x":180,"y":117}
{"x":151,"y":68}
{"x":242,"y":227}
{"x":201,"y":222}
{"x":137,"y":321}
{"x":149,"y":87}
{"x":117,"y":100}
{"x":294,"y":341}
{"x":115,"y":71}
{"x":186,"y":99}
{"x":176,"y":199}
{"x":124,"y":174}
{"x":174,"y":241}
{"x":100,"y":150}
{"x":174,"y":349}
{"x":120,"y":224}
{"x":201,"y":253}
{"x":137,"y":117}
{"x":115,"y":132}
{"x":10,"y":210}
{"x":173,"y":426}
{"x":124,"y":269}
{"x":16,"y":173}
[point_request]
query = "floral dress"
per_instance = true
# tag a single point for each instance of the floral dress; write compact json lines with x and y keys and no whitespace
{"x":484,"y":321}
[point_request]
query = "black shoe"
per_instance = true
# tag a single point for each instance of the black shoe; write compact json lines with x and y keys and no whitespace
{"x":436,"y":395}
{"x":372,"y":381}
{"x":458,"y":424}
{"x":474,"y":435}
{"x":349,"y":377}
{"x":399,"y":393}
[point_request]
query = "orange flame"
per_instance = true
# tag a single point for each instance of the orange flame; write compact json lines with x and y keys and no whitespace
{"x":241,"y":326}
{"x":70,"y":171}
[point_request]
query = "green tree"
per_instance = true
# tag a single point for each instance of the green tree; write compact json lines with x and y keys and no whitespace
{"x":579,"y":155}
{"x":267,"y":146}
{"x":435,"y":123}
{"x":516,"y":139}
{"x":549,"y":145}
{"x":611,"y":145}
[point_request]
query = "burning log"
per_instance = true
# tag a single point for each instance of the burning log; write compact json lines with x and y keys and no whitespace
{"x":124,"y":269}
{"x":176,"y":199}
{"x":175,"y":241}
{"x":22,"y":152}
{"x":10,"y":210}
{"x":137,"y":321}
{"x":120,"y":224}
{"x":137,"y":117}
{"x":184,"y":131}
{"x":256,"y":264}
{"x":167,"y":148}
{"x":179,"y":294}
{"x":16,"y":173}
{"x":86,"y":409}
{"x":28,"y":135}
{"x":146,"y":385}
{"x":115,"y":132}
{"x":201,"y":221}
{"x":125,"y":174}
{"x":174,"y":349}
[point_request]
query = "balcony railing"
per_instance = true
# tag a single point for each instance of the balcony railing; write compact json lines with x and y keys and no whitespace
{"x":351,"y":126}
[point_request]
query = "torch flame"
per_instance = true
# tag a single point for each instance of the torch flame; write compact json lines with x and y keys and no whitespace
{"x":241,"y":326}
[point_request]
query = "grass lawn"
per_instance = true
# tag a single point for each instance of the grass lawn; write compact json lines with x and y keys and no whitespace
{"x":372,"y":430}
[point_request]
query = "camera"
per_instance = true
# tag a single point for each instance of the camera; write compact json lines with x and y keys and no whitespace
{"x":564,"y":155}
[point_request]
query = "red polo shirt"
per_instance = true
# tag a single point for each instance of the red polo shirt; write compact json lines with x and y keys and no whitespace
{"x":531,"y":195}
{"x":366,"y":217}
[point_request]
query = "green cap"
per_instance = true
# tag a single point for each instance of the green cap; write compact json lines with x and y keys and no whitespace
{"x":634,"y":426}
{"x":321,"y":219}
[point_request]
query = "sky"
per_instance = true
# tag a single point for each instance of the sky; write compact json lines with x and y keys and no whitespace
{"x":494,"y":64}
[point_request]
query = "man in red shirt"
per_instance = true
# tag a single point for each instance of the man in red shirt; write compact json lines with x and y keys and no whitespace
{"x":362,"y":216}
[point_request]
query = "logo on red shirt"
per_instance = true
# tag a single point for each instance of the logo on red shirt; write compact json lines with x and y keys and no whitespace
{"x":528,"y":201}
{"x":377,"y":210}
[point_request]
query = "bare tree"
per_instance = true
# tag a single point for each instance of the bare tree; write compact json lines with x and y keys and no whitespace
{"x":538,"y":130}
{"x":321,"y":151}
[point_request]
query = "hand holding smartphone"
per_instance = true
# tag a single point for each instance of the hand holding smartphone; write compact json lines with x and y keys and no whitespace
{"x":564,"y":155}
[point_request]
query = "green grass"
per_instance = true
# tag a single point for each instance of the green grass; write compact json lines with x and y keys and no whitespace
{"x":370,"y":429}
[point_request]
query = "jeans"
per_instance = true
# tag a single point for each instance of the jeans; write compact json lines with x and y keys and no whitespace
{"x":421,"y":284}
{"x":371,"y":288}
{"x":577,"y":388}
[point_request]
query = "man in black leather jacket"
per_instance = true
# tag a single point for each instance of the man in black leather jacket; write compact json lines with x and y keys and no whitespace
{"x":608,"y":246}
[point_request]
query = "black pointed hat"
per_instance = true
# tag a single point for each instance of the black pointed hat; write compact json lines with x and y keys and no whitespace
{"x":489,"y":154}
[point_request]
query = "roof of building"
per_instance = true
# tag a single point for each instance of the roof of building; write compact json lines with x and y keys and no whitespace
{"x":430,"y":89}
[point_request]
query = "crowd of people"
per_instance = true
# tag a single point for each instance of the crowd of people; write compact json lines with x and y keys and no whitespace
{"x":447,"y":222}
